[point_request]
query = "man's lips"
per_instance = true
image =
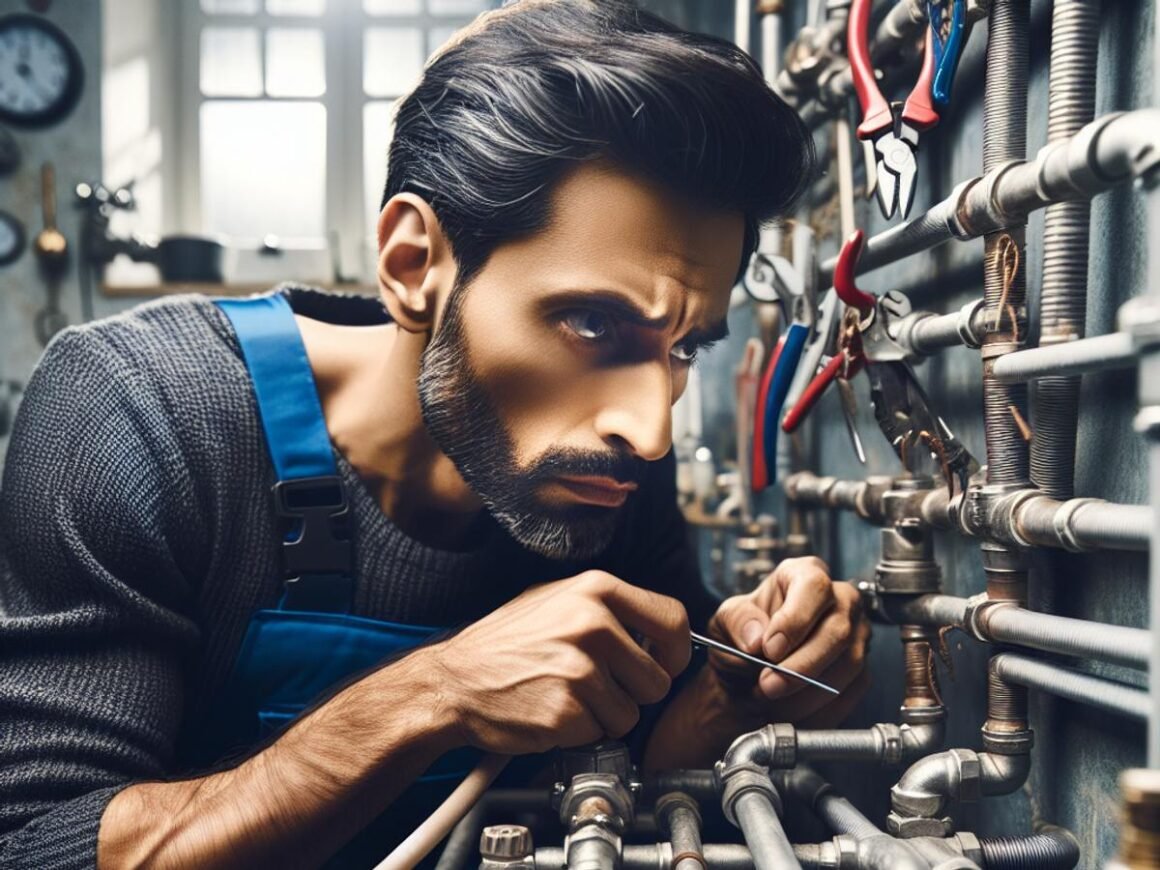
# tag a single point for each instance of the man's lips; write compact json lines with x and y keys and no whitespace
{"x":603,"y":491}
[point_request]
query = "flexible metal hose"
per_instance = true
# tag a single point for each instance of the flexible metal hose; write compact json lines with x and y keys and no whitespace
{"x":1075,"y":34}
{"x":1004,"y":275}
{"x":1056,"y":850}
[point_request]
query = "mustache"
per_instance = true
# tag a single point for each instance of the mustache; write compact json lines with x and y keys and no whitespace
{"x":622,"y":467}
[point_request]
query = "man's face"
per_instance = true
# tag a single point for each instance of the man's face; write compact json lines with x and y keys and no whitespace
{"x":551,"y":378}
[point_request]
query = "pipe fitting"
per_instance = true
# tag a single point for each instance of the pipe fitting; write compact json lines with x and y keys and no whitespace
{"x":774,"y":745}
{"x":925,"y":789}
{"x":982,"y":207}
{"x":743,"y":779}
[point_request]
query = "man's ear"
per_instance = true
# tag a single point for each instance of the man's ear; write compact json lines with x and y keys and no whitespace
{"x":415,"y":262}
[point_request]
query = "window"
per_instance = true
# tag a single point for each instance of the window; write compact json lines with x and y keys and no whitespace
{"x":275,"y":93}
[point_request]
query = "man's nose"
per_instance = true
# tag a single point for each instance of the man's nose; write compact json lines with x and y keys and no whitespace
{"x":637,"y":411}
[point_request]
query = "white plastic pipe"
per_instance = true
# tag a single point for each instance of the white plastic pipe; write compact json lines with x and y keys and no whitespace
{"x":439,"y":824}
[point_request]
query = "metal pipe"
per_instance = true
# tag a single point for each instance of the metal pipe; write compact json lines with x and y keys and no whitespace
{"x":1072,"y":685}
{"x":763,"y":832}
{"x":680,"y":821}
{"x":1079,"y":523}
{"x":1113,"y":351}
{"x":1075,"y":36}
{"x":1109,"y":151}
{"x":924,"y":333}
{"x":1065,"y":636}
{"x":1006,"y":623}
{"x":658,"y":856}
{"x":701,"y":784}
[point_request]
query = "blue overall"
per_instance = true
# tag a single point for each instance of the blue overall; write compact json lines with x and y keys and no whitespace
{"x":309,"y":643}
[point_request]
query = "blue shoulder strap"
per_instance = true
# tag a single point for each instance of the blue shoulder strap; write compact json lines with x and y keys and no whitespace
{"x":309,"y":495}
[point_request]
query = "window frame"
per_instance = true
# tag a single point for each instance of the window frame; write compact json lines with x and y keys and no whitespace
{"x":342,"y":23}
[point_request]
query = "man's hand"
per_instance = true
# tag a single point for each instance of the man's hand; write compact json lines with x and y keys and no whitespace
{"x":797,"y":617}
{"x":559,"y":665}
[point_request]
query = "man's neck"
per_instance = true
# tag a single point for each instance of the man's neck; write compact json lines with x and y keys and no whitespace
{"x":367,"y":382}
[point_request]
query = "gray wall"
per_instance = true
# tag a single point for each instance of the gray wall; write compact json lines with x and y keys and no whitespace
{"x":1079,"y":753}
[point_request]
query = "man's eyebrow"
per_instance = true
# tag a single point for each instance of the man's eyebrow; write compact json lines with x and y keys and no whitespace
{"x":623,"y":307}
{"x":612,"y":302}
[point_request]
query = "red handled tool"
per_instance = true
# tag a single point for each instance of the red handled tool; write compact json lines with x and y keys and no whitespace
{"x":893,"y":127}
{"x":901,"y":408}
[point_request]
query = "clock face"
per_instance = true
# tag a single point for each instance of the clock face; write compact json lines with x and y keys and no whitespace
{"x":40,"y":72}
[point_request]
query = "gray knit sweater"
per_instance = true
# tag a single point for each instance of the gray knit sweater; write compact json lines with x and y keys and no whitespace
{"x":137,"y":538}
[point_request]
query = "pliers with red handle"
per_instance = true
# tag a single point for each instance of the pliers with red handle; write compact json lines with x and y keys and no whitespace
{"x":893,"y":127}
{"x":901,"y":407}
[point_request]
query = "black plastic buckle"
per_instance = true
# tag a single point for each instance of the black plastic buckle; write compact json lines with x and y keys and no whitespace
{"x":317,"y":553}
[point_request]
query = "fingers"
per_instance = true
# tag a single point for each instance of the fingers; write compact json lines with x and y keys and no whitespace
{"x":741,"y":621}
{"x":841,"y":636}
{"x":611,"y":706}
{"x":645,"y":681}
{"x":661,"y":619}
{"x":809,"y":595}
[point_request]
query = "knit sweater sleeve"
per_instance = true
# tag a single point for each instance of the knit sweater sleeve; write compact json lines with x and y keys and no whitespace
{"x":94,"y":602}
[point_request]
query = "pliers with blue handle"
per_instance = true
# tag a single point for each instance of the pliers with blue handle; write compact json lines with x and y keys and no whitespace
{"x":948,"y":28}
{"x":773,"y":279}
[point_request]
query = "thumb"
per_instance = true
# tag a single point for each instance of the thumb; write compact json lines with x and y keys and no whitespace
{"x":740,"y":622}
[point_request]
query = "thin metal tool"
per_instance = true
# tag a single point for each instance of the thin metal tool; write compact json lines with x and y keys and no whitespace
{"x":701,"y":640}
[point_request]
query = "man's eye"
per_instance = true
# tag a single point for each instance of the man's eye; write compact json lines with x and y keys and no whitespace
{"x":684,"y":352}
{"x":589,"y":325}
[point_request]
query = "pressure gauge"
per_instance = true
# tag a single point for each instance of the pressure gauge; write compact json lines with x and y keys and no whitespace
{"x":40,"y":72}
{"x":12,"y":238}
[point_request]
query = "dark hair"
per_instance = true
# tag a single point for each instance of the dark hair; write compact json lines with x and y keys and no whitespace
{"x":526,"y":92}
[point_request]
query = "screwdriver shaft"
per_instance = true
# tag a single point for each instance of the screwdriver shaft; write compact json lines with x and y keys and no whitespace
{"x":701,"y":640}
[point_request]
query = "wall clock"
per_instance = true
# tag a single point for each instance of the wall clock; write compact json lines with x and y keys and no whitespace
{"x":41,"y":74}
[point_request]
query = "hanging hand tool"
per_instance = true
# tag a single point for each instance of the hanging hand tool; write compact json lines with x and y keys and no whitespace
{"x":948,"y":28}
{"x":51,"y":249}
{"x":893,"y":127}
{"x":772,"y":279}
{"x":901,"y":406}
{"x":701,"y":640}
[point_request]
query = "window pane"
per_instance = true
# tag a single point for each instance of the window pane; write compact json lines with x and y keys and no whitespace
{"x":436,"y":36}
{"x":459,"y":7}
{"x":295,"y":62}
{"x":378,"y":125}
{"x":231,"y":65}
{"x":263,"y":169}
{"x":392,"y":7}
{"x":230,"y":7}
{"x":393,"y":59}
{"x":296,"y":7}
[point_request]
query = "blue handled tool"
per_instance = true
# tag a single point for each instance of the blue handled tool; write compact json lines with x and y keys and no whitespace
{"x":783,"y":372}
{"x":948,"y":22}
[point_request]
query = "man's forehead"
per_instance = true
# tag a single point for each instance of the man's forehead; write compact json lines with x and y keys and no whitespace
{"x":640,"y":235}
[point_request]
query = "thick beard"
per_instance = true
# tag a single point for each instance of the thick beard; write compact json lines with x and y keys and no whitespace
{"x":464,"y":425}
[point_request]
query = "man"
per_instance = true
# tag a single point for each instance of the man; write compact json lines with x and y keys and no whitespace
{"x":573,"y":187}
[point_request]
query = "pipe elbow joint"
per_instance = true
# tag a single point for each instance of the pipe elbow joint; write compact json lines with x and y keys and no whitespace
{"x":772,"y":746}
{"x":922,"y":738}
{"x":929,"y":785}
{"x":1003,"y":774}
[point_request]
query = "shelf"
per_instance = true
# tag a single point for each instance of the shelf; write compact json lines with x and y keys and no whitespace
{"x":146,"y":291}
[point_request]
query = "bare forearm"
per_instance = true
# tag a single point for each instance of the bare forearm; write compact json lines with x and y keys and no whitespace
{"x":300,"y":799}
